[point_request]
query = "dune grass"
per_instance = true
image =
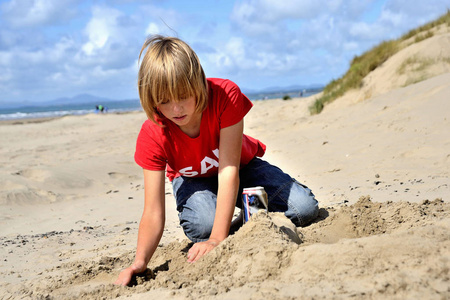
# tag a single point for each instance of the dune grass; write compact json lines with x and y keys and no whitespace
{"x":415,"y":64}
{"x":362,"y":65}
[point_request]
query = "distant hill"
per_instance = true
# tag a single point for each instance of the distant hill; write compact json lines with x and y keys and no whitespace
{"x":279,"y":89}
{"x":78,"y":99}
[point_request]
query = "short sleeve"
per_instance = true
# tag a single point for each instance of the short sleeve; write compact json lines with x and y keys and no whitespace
{"x":149,"y":153}
{"x":233,"y":104}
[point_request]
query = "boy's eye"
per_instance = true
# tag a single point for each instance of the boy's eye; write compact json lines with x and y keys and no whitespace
{"x":164,"y":101}
{"x":184,"y":97}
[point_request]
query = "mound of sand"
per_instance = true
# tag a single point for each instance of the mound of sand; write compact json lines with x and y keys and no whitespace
{"x":367,"y":249}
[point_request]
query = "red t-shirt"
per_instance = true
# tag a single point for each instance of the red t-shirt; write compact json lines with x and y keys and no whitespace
{"x":160,"y":147}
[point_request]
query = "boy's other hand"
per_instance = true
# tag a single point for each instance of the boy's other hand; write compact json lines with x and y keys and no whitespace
{"x":200,"y":249}
{"x":126,"y":274}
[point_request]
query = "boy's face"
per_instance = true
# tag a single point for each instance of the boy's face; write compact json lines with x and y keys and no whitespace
{"x":181,"y":112}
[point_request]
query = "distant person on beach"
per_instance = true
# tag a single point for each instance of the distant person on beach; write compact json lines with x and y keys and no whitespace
{"x":99,"y":108}
{"x":194,"y":133}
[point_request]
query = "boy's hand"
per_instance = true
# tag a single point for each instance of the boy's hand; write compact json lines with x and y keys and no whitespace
{"x":200,"y":249}
{"x":126,"y":274}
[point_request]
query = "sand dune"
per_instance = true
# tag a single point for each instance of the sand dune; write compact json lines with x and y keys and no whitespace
{"x":71,"y":198}
{"x":415,"y":62}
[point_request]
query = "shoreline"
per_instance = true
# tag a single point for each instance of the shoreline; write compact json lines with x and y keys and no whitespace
{"x":23,"y":121}
{"x":28,"y":120}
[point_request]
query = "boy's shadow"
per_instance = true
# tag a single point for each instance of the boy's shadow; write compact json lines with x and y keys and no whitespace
{"x":323,"y":214}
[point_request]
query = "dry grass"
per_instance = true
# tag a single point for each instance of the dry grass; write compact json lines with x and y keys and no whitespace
{"x":415,"y":64}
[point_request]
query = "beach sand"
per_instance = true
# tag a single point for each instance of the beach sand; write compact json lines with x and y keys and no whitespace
{"x":71,"y":197}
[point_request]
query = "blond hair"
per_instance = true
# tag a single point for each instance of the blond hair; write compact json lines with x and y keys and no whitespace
{"x":170,"y":70}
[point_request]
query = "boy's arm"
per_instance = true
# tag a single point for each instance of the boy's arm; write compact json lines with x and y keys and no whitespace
{"x":229,"y":161}
{"x":151,"y":226}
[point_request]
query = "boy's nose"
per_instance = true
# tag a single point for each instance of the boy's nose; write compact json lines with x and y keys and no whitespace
{"x":177,"y":107}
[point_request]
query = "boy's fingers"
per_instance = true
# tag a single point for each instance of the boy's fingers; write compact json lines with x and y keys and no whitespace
{"x":192,"y":253}
{"x":199,"y":254}
{"x":198,"y":250}
{"x":194,"y":257}
{"x":124,"y":277}
{"x":119,"y":281}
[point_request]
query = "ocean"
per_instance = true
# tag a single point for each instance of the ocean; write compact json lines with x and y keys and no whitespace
{"x":59,"y":110}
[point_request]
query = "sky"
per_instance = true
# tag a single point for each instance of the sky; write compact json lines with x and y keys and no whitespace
{"x":62,"y":48}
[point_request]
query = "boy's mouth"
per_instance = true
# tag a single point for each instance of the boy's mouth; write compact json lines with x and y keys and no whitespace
{"x":181,"y":118}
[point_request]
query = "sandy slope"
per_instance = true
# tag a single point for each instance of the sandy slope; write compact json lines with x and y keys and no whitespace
{"x":71,"y":197}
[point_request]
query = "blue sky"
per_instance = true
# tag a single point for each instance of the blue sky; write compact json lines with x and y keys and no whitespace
{"x":62,"y":48}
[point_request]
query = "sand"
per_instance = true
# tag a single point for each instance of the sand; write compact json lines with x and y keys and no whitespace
{"x":71,"y":197}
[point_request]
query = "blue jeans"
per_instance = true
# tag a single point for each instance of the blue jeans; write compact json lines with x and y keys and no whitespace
{"x":196,"y":198}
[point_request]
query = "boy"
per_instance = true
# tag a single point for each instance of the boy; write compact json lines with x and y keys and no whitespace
{"x":195,"y":134}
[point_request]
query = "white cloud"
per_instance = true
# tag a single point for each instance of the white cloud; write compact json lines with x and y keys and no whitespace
{"x":351,"y":46}
{"x":263,"y":11}
{"x":28,"y":13}
{"x":112,"y":39}
{"x":423,"y":10}
{"x":100,"y":28}
{"x":360,"y":31}
{"x":404,"y":17}
{"x":392,"y":19}
{"x":5,"y":58}
{"x":152,"y":28}
{"x":236,"y":49}
{"x":166,"y":21}
{"x":262,"y":17}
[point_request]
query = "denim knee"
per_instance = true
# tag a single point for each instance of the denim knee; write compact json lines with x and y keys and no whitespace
{"x":297,"y":202}
{"x":303,"y":206}
{"x":197,"y":216}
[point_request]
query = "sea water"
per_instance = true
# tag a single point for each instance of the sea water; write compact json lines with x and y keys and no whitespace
{"x":55,"y":110}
